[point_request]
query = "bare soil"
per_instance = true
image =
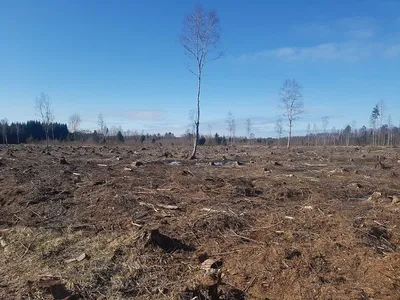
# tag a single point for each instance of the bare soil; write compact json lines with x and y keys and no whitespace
{"x":138,"y":222}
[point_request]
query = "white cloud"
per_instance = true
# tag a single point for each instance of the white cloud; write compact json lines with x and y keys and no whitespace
{"x":353,"y":28}
{"x":322,"y":51}
{"x":284,"y":52}
{"x":314,"y":29}
{"x":357,"y":27}
{"x":355,"y":36}
{"x":145,"y":114}
{"x":393,"y":51}
{"x":346,"y":51}
{"x":361,"y":33}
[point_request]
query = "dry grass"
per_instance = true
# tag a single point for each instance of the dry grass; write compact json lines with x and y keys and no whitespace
{"x":292,"y":230}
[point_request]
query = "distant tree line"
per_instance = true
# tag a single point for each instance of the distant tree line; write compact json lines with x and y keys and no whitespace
{"x":32,"y":131}
{"x":383,"y":136}
{"x":349,"y":136}
{"x":16,"y":133}
{"x":381,"y":132}
{"x":121,"y":136}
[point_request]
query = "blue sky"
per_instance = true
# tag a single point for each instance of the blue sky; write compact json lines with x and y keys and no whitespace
{"x":122,"y":59}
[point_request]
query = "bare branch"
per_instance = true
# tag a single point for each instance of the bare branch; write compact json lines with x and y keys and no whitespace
{"x":291,"y":103}
{"x":102,"y":124}
{"x":230,"y":121}
{"x":74,"y":122}
{"x":43,"y":107}
{"x":249,"y":126}
{"x":199,"y":38}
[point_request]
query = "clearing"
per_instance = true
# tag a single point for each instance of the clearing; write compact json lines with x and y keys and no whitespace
{"x":252,"y":222}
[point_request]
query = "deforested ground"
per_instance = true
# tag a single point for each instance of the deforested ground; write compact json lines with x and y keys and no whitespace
{"x":143,"y":222}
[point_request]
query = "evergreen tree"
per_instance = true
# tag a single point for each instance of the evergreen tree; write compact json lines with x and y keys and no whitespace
{"x":120,"y":137}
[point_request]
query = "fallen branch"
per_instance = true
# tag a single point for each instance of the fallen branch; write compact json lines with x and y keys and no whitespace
{"x":141,"y":203}
{"x":35,"y":213}
{"x":153,"y":191}
{"x":166,"y":206}
{"x":210,"y":210}
{"x":249,"y":285}
{"x":136,"y":224}
{"x":226,"y":253}
{"x":173,"y":207}
{"x":18,"y":217}
{"x":246,"y":238}
{"x":317,"y":165}
{"x":380,"y":224}
{"x":29,"y":246}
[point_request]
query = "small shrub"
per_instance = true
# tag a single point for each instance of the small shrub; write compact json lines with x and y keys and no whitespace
{"x":202,"y":140}
{"x":120,"y":137}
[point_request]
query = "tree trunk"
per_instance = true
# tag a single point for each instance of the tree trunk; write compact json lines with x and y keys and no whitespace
{"x":391,"y":137}
{"x":387,"y":139}
{"x":373,"y":137}
{"x":289,"y":134}
{"x":47,"y":136}
{"x":196,"y":139}
{"x":378,"y":138}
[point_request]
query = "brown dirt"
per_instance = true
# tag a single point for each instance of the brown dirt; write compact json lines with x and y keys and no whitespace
{"x":285,"y":224}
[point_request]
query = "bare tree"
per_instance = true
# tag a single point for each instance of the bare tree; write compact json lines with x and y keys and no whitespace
{"x":333,"y":134}
{"x":210,"y":131}
{"x":249,"y":126}
{"x":200,"y":38}
{"x":347,"y":134}
{"x":43,"y":107}
{"x":354,"y":129}
{"x":252,"y":136}
{"x":325,"y":121}
{"x":230,"y":121}
{"x":382,"y":111}
{"x":390,"y":128}
{"x":291,"y":103}
{"x":114,"y":130}
{"x":74,"y":122}
{"x":4,"y":125}
{"x":308,"y":134}
{"x":279,"y":130}
{"x":315,"y":130}
{"x":102,"y":124}
{"x":52,"y":127}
